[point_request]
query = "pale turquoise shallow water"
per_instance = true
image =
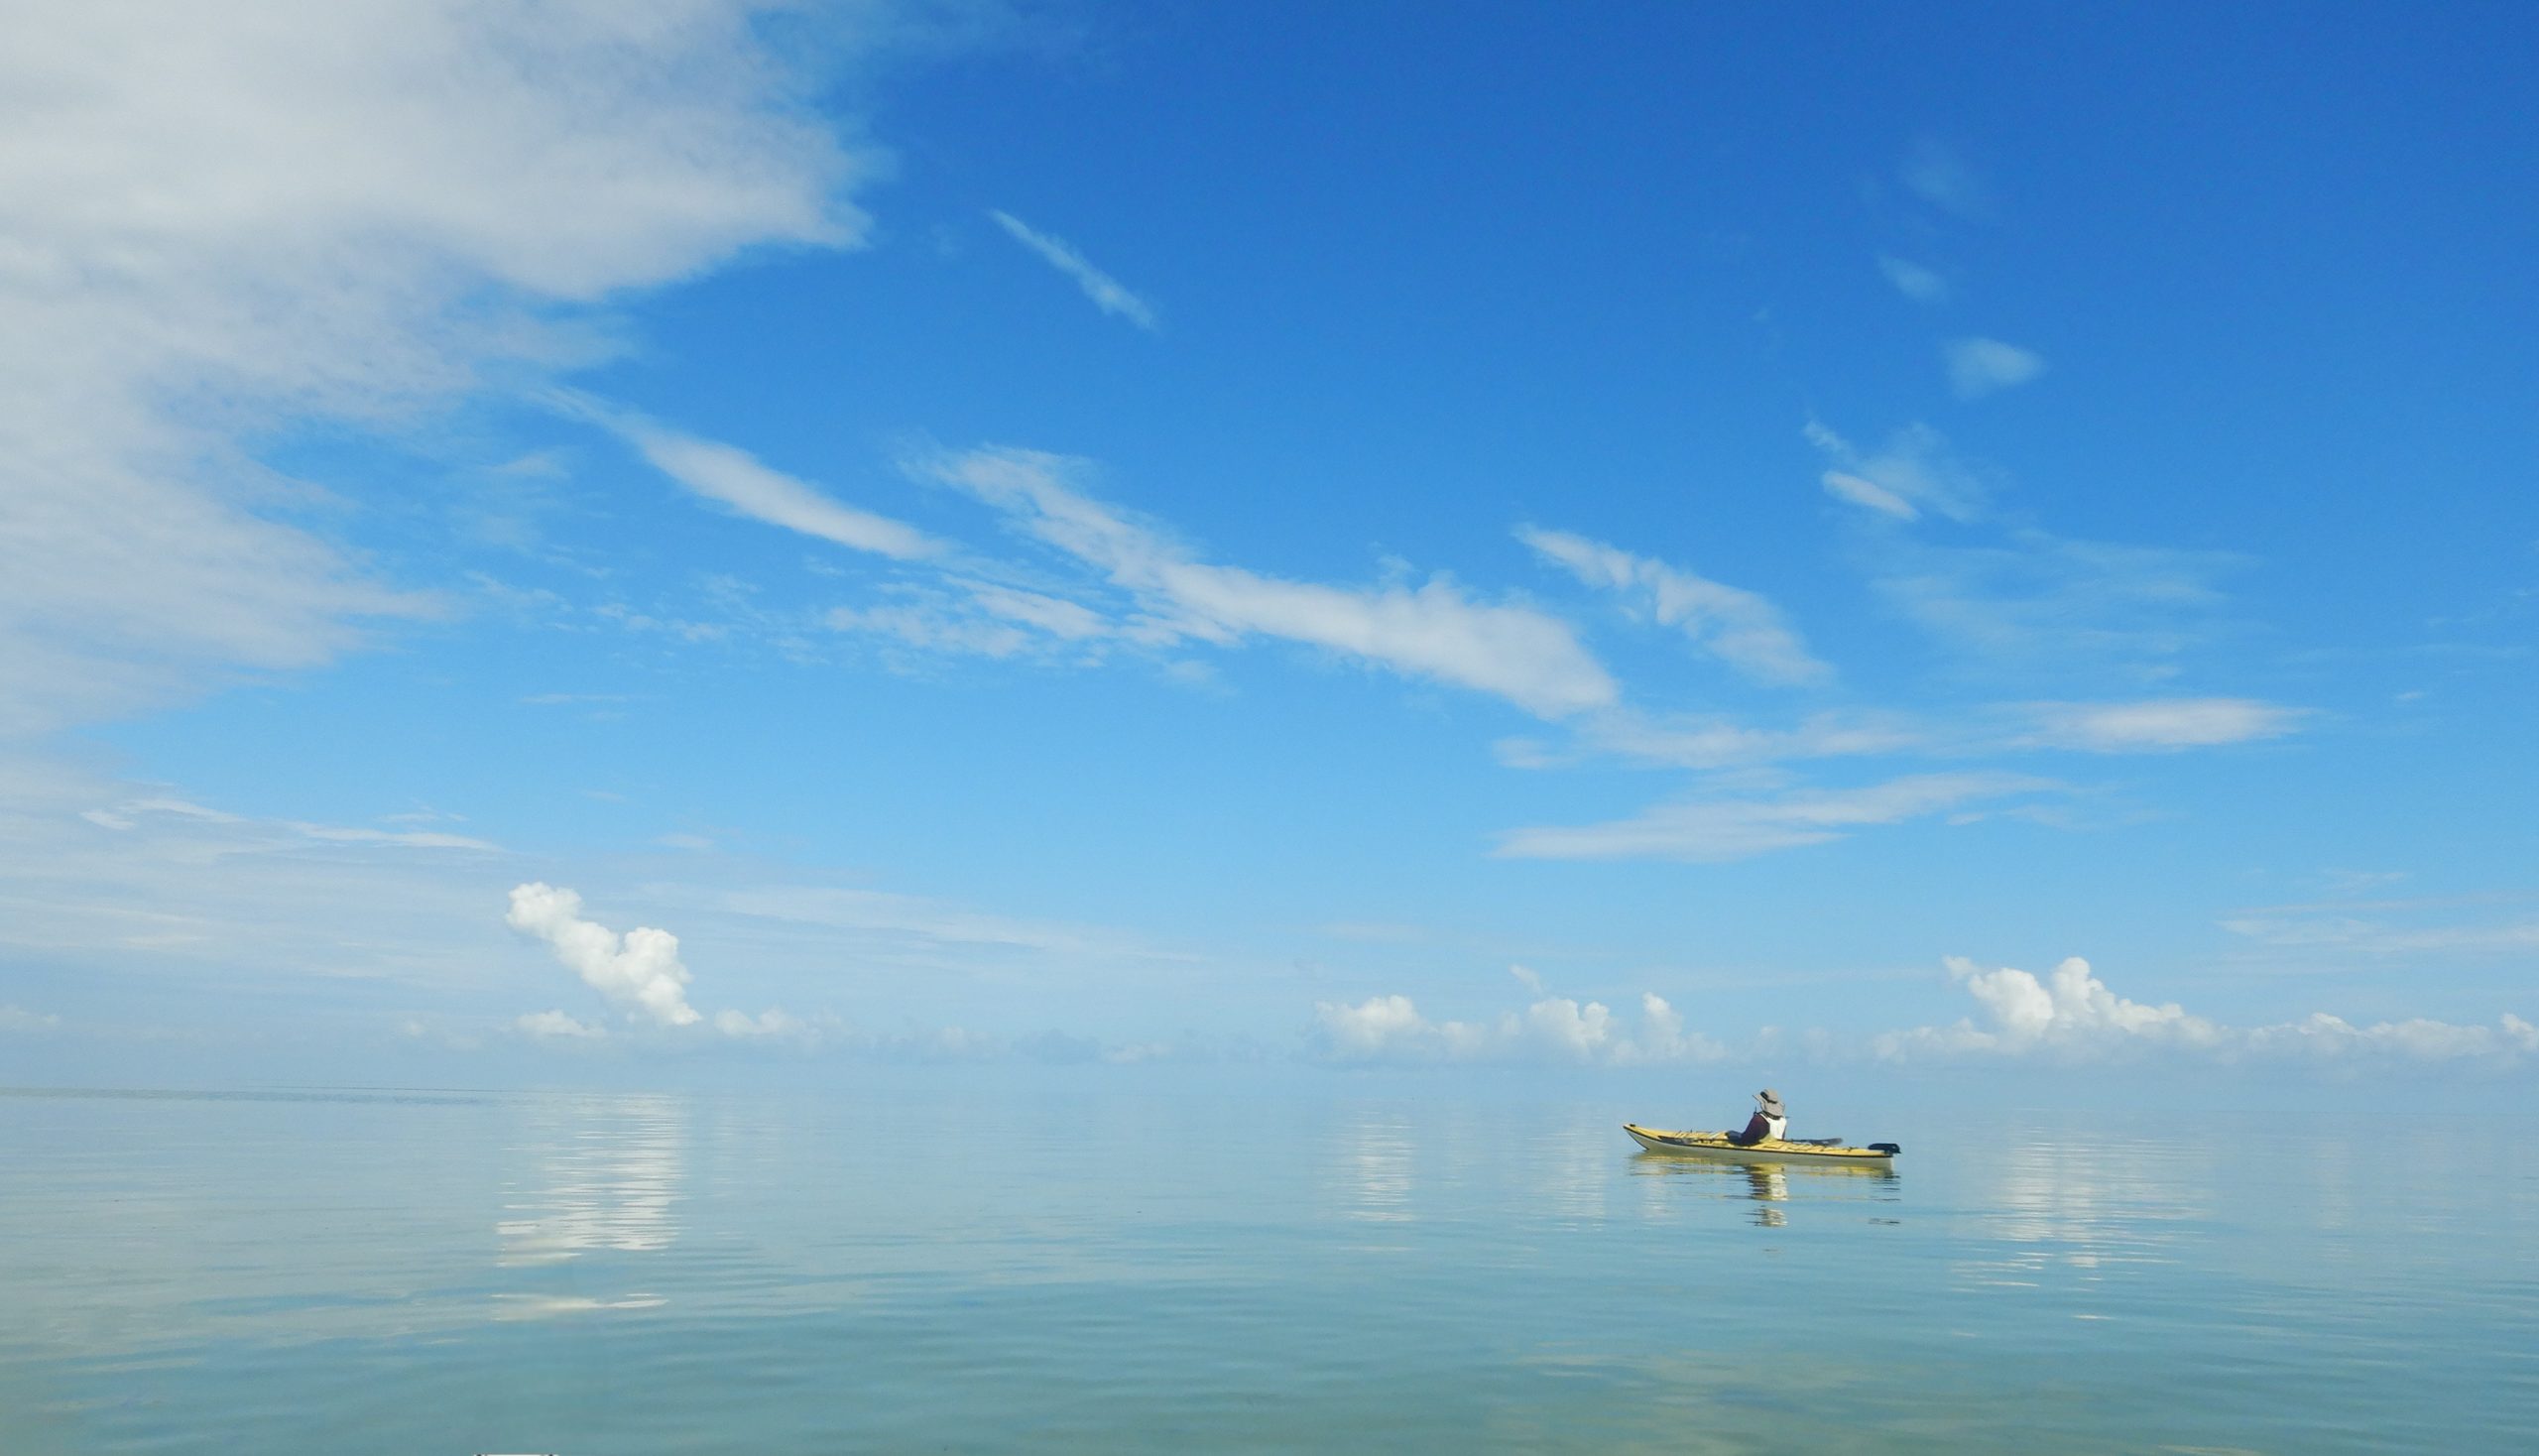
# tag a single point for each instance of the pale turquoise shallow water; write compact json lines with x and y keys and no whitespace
{"x":1091,"y":1268}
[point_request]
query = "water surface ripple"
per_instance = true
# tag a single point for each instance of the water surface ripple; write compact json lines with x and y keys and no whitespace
{"x":1107,"y":1271}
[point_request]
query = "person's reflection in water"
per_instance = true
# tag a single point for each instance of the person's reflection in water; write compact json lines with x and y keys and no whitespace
{"x":1768,"y":1186}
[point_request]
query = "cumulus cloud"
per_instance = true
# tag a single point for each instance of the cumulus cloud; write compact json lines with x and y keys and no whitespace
{"x":638,"y":972}
{"x":2069,"y":1010}
{"x":1555,"y":1029}
{"x":1709,"y":830}
{"x":1980,"y":366}
{"x":1435,"y":630}
{"x":1106,"y":292}
{"x":2072,"y":1015}
{"x":1740,"y":628}
{"x":218,"y":219}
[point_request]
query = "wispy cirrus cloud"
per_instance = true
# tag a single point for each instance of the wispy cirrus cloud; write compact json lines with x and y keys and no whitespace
{"x":1721,"y":741}
{"x":1736,"y":626}
{"x":2030,"y":599}
{"x":1980,"y":366}
{"x":236,"y":264}
{"x":2156,"y":725}
{"x":1914,"y":472}
{"x":1106,"y":293}
{"x":2047,"y":600}
{"x":1912,"y":279}
{"x":1435,"y":630}
{"x":1710,"y":830}
{"x":1936,"y":172}
{"x":736,"y":478}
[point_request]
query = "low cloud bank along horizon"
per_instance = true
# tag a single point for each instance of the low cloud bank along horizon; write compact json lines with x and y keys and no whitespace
{"x":2069,"y":1016}
{"x":2066,"y":1017}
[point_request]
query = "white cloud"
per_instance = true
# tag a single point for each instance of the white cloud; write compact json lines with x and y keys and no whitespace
{"x":20,"y":1019}
{"x":129,"y":814}
{"x":1105,"y":291}
{"x":2158,"y":724}
{"x":1844,"y":485}
{"x":732,"y":476}
{"x":772,"y":1022}
{"x":2072,"y":1015}
{"x":1980,"y":366}
{"x":2034,"y":597}
{"x":639,"y":973}
{"x":403,"y":838}
{"x":1738,"y":627}
{"x":1933,"y":172}
{"x":2417,"y":1040}
{"x":1716,"y":741}
{"x":2342,"y":930}
{"x":981,"y":619}
{"x":2071,"y":1009}
{"x":1718,"y":830}
{"x":2047,"y":600}
{"x":1434,"y":629}
{"x":1914,"y":472}
{"x":220,"y":218}
{"x":1390,"y":1029}
{"x":1526,"y":977}
{"x":554,"y":1025}
{"x":1912,"y":279}
{"x":932,"y":624}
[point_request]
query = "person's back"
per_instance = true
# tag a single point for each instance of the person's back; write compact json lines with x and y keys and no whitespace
{"x":1770,"y":1120}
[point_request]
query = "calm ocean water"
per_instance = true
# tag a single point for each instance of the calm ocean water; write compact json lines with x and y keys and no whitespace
{"x":1108,"y":1271}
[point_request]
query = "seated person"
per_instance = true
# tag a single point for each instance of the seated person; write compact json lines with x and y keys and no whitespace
{"x":1768,"y":1121}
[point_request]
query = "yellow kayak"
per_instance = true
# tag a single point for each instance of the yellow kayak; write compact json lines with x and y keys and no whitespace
{"x":1772,"y":1150}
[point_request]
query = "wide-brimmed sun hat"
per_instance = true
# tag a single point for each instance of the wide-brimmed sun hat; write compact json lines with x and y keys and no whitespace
{"x":1772,"y":1101}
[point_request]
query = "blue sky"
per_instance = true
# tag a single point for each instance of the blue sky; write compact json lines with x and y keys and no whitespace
{"x":1635,"y":537}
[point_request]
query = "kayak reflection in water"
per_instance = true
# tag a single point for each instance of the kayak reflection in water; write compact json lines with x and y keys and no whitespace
{"x":1770,"y":1120}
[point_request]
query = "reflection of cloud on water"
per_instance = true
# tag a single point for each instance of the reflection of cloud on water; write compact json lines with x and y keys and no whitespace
{"x":609,"y":1172}
{"x":542,"y":1307}
{"x":1572,"y":1167}
{"x":1372,"y":1167}
{"x":2090,"y":1208}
